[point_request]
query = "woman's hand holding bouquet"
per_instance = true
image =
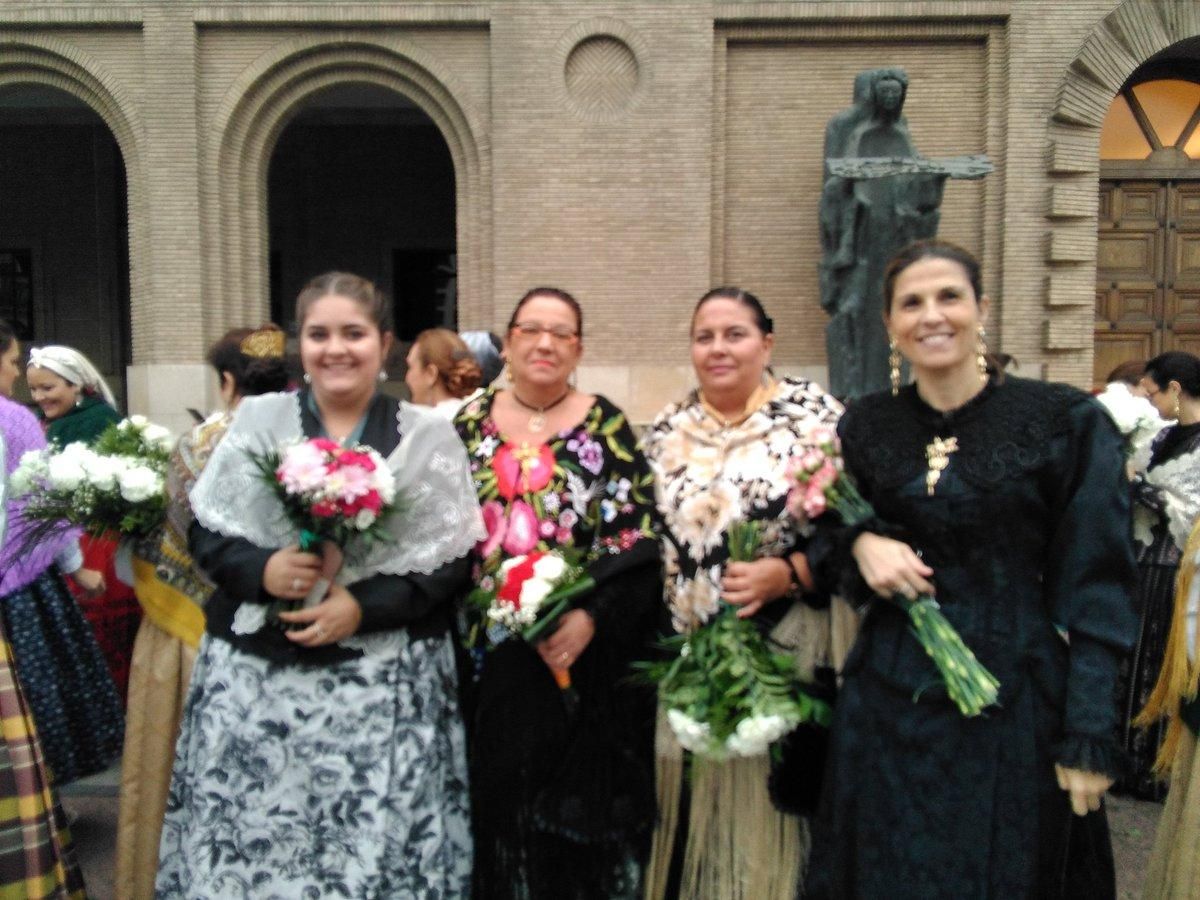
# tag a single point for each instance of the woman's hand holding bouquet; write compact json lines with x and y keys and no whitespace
{"x":891,"y":568}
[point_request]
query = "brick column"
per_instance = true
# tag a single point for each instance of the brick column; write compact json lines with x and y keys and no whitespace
{"x":168,"y":374}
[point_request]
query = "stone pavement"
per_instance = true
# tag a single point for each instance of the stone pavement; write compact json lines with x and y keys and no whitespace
{"x":94,"y":803}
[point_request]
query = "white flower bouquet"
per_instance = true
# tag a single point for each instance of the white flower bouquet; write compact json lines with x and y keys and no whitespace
{"x":114,"y":486}
{"x":1136,"y":419}
{"x":725,"y":692}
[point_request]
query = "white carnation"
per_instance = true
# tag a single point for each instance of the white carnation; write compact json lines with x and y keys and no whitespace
{"x":139,"y":483}
{"x":755,"y":734}
{"x":138,"y":422}
{"x":29,"y":473}
{"x":1129,"y":412}
{"x":550,"y":567}
{"x":692,"y":735}
{"x":67,"y":470}
{"x":534,"y":591}
{"x":103,"y":472}
{"x":157,"y":436}
{"x":364,"y":519}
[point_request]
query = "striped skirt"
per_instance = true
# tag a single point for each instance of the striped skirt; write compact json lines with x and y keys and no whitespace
{"x":37,"y":858}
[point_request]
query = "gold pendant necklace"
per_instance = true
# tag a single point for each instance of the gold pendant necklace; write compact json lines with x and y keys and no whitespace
{"x":538,"y":420}
{"x":937,"y":454}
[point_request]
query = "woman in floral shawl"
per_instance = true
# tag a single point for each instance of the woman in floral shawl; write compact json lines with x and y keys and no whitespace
{"x":560,"y":779}
{"x":721,"y":457}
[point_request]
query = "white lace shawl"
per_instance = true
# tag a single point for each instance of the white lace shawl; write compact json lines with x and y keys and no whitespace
{"x":437,"y":516}
{"x":1178,"y":480}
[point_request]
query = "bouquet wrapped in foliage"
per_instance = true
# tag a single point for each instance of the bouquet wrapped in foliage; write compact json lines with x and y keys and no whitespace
{"x":115,"y":485}
{"x":529,"y":594}
{"x":332,"y":495}
{"x":821,"y":485}
{"x":725,"y":693}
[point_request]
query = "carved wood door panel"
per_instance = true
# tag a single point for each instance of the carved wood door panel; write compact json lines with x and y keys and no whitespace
{"x":1182,"y":275}
{"x":1129,"y":273}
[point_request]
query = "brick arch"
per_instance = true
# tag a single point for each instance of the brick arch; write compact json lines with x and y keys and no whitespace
{"x":254,"y":112}
{"x":33,"y":59}
{"x":1128,"y":36}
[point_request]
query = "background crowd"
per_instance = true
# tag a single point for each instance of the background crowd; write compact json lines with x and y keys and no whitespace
{"x":384,"y":739}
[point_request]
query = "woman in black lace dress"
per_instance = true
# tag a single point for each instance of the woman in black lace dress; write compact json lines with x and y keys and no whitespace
{"x":1024,"y":540}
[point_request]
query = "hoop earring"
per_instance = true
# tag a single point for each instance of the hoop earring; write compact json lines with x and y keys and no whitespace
{"x":894,"y":365}
{"x":981,"y":354}
{"x":307,"y":379}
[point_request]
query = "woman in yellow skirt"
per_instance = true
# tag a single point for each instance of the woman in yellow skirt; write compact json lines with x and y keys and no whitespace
{"x":172,"y":592}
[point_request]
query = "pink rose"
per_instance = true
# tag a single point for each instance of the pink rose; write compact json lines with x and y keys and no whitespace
{"x":814,"y":502}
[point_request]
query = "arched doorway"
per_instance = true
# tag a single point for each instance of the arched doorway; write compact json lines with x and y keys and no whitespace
{"x":362,"y":180}
{"x":1148,"y":250}
{"x":64,"y":232}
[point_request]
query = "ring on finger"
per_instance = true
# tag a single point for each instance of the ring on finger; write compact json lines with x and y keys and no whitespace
{"x":296,"y":584}
{"x":320,"y":633}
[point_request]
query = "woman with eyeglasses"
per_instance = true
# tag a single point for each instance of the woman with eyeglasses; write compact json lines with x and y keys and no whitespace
{"x":559,"y":739}
{"x":1166,"y":507}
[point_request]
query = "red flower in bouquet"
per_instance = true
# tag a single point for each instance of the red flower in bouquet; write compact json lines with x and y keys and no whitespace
{"x":530,"y":594}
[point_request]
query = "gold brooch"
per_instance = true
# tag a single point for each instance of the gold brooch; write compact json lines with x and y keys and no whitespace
{"x":937,"y":454}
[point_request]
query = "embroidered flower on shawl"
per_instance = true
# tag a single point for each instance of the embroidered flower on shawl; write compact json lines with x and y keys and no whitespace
{"x":522,"y":533}
{"x":495,"y":524}
{"x":696,"y":600}
{"x":522,"y":470}
{"x":703,"y":516}
{"x":590,"y":453}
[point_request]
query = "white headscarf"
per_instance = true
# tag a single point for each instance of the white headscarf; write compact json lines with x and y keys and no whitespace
{"x":73,"y":366}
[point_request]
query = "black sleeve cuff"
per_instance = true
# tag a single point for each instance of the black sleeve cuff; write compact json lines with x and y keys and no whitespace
{"x":1088,"y":753}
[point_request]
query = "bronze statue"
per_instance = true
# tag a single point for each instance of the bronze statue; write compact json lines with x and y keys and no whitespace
{"x":879,"y":195}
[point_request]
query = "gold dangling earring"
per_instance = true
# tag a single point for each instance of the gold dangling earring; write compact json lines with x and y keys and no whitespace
{"x":894,"y":363}
{"x":981,"y":354}
{"x":1176,"y":407}
{"x":508,"y":372}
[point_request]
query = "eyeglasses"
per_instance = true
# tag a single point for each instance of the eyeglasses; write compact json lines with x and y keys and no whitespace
{"x":534,"y":330}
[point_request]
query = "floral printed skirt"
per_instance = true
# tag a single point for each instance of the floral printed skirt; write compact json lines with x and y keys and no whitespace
{"x":346,"y":780}
{"x":64,"y":679}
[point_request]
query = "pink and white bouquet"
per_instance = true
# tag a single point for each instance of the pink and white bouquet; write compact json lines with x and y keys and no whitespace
{"x":821,"y":485}
{"x":528,"y":594}
{"x":332,"y":495}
